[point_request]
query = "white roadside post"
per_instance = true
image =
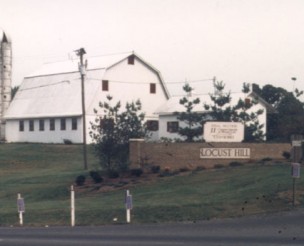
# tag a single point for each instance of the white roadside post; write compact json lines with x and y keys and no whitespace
{"x":21,"y":208}
{"x":129,"y":205}
{"x":72,"y":206}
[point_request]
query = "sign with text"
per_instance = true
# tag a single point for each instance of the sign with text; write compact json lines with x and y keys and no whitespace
{"x":225,"y":153}
{"x":295,"y":170}
{"x":223,"y":132}
{"x":20,"y":205}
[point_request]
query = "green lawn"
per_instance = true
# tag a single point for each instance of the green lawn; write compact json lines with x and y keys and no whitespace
{"x":43,"y":175}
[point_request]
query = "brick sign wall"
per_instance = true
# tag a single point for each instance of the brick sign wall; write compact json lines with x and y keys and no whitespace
{"x":192,"y":155}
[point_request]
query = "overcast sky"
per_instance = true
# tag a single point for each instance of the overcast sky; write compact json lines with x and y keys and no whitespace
{"x":255,"y":41}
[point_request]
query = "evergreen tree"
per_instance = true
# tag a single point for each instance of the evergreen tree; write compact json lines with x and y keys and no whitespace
{"x":191,"y":119}
{"x":111,"y":133}
{"x":222,"y":110}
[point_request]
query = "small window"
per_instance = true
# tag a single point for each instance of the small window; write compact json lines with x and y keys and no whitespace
{"x":247,"y":102}
{"x":131,"y":60}
{"x":172,"y":126}
{"x":152,"y":125}
{"x":41,"y":125}
{"x":62,"y":124}
{"x":152,"y":88}
{"x":31,"y":125}
{"x":52,"y":124}
{"x":74,"y":123}
{"x":105,"y":85}
{"x":21,"y":125}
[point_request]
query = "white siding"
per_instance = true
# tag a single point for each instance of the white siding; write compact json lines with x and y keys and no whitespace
{"x":14,"y":134}
{"x":128,"y":83}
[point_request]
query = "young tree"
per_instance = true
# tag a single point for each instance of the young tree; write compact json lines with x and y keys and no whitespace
{"x":219,"y":110}
{"x":192,"y":120}
{"x":111,"y":133}
{"x":222,"y":110}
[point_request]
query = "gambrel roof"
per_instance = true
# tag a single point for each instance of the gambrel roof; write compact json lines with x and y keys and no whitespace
{"x":55,"y":89}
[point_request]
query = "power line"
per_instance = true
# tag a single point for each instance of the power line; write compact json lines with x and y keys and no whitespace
{"x":189,"y":81}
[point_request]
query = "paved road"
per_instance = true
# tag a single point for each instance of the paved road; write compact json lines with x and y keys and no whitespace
{"x":279,"y":229}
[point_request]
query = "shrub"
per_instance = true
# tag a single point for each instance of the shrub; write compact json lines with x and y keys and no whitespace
{"x":136,"y":172}
{"x":200,"y":168}
{"x":267,"y":159}
{"x":235,"y":164}
{"x":80,"y":180}
{"x":184,"y":169}
{"x":155,"y":169}
{"x":113,"y":174}
{"x":218,"y":166}
{"x":67,"y":141}
{"x":96,"y":176}
{"x":286,"y":155}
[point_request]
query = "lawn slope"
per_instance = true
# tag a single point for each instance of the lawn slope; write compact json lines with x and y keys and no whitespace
{"x":43,"y":175}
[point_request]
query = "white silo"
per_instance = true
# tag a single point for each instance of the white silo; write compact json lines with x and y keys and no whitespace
{"x":5,"y":78}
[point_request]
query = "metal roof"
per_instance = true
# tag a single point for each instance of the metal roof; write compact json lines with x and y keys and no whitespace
{"x":55,"y":89}
{"x":52,"y":96}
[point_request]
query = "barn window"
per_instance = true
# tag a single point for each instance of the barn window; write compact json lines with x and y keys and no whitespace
{"x":74,"y":123}
{"x":41,"y":125}
{"x":131,"y":60}
{"x":62,"y":124}
{"x":172,"y":126}
{"x":52,"y":124}
{"x":105,"y":85}
{"x":31,"y":125}
{"x":21,"y":125}
{"x":247,"y":102}
{"x":152,"y":88}
{"x":152,"y":125}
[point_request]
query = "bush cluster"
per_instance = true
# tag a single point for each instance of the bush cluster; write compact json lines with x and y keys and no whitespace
{"x":96,"y":177}
{"x":80,"y":180}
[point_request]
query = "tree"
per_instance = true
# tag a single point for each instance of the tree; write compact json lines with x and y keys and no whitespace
{"x":14,"y":91}
{"x":219,"y":110}
{"x":192,"y":120}
{"x":222,"y":110}
{"x":289,"y":115}
{"x":111,"y":133}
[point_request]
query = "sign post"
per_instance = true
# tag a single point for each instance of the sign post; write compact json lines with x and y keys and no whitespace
{"x":297,"y":155}
{"x":295,"y":173}
{"x":129,"y":205}
{"x":72,"y":206}
{"x":21,"y":208}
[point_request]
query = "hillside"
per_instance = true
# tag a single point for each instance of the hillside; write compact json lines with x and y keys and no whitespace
{"x":43,"y":175}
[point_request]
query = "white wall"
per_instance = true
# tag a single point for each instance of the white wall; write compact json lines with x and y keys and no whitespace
{"x":131,"y":82}
{"x":47,"y":136}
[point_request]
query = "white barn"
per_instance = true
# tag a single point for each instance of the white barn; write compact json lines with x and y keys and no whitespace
{"x":47,"y":107}
{"x":169,"y":124}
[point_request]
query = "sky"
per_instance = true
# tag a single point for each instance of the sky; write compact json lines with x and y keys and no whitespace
{"x":236,"y":41}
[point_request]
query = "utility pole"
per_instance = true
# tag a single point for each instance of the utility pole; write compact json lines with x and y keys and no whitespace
{"x":82,"y":71}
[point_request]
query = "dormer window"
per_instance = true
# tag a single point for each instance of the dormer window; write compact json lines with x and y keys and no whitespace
{"x":131,"y":60}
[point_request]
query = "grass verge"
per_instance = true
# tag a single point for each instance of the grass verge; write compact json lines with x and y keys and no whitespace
{"x":43,"y":175}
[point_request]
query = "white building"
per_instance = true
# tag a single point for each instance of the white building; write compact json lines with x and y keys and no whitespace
{"x":169,"y":124}
{"x":47,"y":107}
